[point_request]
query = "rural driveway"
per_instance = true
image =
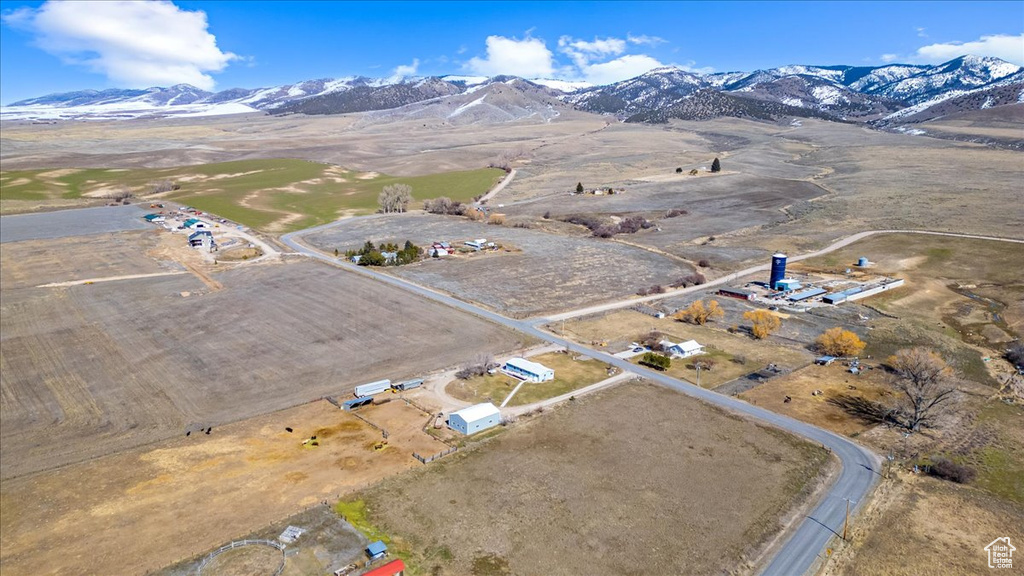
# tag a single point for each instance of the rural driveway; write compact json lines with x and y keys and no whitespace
{"x":798,"y":554}
{"x":501,"y":186}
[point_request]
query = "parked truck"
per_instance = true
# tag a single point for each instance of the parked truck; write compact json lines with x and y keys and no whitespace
{"x":409,"y":384}
{"x":372,"y":388}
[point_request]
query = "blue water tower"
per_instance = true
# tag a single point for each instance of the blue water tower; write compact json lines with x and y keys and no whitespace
{"x":778,"y":269}
{"x":862,"y":262}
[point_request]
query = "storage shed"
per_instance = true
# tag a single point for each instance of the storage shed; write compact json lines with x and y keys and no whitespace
{"x":376,"y":550}
{"x":475,"y":418}
{"x":740,"y":293}
{"x":523,"y":369}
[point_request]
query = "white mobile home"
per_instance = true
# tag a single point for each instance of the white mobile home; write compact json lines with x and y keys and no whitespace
{"x":523,"y":369}
{"x":475,"y":418}
{"x":683,"y":349}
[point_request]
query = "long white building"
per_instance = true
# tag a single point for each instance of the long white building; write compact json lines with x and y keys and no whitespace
{"x":523,"y":369}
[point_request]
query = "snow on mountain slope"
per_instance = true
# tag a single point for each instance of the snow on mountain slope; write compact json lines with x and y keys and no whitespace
{"x":842,"y":92}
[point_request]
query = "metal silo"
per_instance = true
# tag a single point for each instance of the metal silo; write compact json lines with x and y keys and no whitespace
{"x":778,"y":269}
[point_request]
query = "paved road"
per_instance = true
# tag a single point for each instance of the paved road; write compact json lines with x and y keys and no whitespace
{"x":748,"y":271}
{"x":859,"y":466}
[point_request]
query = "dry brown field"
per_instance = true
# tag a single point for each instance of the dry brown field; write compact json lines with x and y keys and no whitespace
{"x":89,"y":370}
{"x":544,"y":273}
{"x":145,"y":508}
{"x":637,"y":477}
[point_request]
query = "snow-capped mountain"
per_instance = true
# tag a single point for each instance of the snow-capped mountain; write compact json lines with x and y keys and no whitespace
{"x":654,"y":90}
{"x":886,"y":94}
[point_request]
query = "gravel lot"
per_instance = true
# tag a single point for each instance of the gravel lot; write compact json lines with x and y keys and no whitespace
{"x":550,"y":272}
{"x":65,"y":223}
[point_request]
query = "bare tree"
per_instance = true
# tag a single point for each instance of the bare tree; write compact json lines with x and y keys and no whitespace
{"x":928,"y":386}
{"x":395,"y":198}
{"x":476,"y":367}
{"x":163,"y":186}
{"x":444,"y":205}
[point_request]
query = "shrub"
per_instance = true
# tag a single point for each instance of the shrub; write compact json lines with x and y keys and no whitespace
{"x":656,"y":361}
{"x":703,"y":263}
{"x":679,"y":170}
{"x":676,"y":212}
{"x":949,"y":470}
{"x":839,"y":342}
{"x":547,"y":215}
{"x":1016,"y":354}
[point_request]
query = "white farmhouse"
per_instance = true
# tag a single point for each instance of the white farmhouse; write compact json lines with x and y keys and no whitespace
{"x":683,"y":349}
{"x":475,"y":418}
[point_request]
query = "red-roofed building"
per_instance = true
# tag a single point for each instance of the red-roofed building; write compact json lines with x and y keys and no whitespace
{"x":393,"y":568}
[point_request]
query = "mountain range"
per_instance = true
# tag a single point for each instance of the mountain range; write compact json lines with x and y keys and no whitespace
{"x":885,"y":96}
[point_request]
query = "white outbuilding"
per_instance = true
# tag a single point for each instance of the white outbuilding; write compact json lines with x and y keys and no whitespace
{"x":523,"y":369}
{"x":475,"y":418}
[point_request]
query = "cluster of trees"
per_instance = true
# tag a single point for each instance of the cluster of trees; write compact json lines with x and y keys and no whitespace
{"x":694,"y":279}
{"x":700,"y":313}
{"x":505,"y":159}
{"x":656,"y":289}
{"x":763,"y":323}
{"x":605,"y":229}
{"x":839,"y":342}
{"x":477,"y":367}
{"x":444,"y":205}
{"x":656,"y":361}
{"x":370,"y":255}
{"x":395,"y":198}
{"x":164,"y":186}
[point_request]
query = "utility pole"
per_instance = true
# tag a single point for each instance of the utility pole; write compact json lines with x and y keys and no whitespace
{"x":846,"y":523}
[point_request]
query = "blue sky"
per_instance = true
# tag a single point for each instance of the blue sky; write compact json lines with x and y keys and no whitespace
{"x":52,"y":47}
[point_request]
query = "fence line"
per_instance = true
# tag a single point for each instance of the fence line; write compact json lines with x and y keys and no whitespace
{"x":238,"y":544}
{"x":439,"y":455}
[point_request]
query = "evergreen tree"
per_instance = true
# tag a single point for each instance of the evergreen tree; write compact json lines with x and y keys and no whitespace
{"x":716,"y":166}
{"x":579,"y":187}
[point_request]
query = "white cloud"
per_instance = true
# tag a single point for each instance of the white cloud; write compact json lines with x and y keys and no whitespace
{"x":645,"y":39}
{"x":529,"y":58}
{"x":921,"y":32}
{"x":135,"y":44}
{"x":621,"y":68}
{"x":598,"y":61}
{"x":887,"y":58}
{"x":408,"y":69}
{"x":1004,"y":46}
{"x":583,"y":51}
